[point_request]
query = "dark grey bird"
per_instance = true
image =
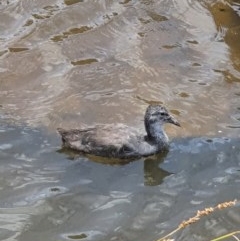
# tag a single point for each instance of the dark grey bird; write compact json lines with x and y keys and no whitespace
{"x":121,"y":141}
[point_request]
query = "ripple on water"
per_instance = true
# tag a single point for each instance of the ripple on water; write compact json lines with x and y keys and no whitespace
{"x":70,"y":62}
{"x":90,"y":235}
{"x":6,"y":146}
{"x":83,"y":62}
{"x":77,"y":236}
{"x":73,"y":31}
{"x":17,"y":49}
{"x":71,"y":2}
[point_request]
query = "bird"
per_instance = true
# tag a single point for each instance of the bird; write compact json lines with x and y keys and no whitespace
{"x":122,"y":141}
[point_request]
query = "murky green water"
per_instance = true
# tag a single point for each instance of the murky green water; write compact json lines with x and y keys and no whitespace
{"x":77,"y":63}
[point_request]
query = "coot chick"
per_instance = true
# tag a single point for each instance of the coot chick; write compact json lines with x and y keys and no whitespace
{"x":121,"y":141}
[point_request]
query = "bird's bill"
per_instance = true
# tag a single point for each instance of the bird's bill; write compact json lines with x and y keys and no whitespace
{"x":173,"y":121}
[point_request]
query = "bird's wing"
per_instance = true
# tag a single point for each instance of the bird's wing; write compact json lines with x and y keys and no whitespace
{"x":112,"y":140}
{"x":116,"y":135}
{"x":74,"y":134}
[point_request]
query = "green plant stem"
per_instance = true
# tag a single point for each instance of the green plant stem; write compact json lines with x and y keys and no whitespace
{"x":225,"y":236}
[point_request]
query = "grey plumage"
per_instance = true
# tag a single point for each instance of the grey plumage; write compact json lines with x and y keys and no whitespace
{"x":121,"y":141}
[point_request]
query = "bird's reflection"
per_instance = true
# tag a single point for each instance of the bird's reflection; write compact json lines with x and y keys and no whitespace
{"x":153,"y":173}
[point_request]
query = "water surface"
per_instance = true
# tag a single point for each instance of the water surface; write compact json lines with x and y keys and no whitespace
{"x":77,"y":63}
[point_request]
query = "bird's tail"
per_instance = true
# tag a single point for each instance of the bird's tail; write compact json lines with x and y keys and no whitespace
{"x":61,"y":131}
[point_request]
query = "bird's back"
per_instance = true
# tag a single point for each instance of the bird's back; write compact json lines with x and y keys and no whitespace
{"x":116,"y":140}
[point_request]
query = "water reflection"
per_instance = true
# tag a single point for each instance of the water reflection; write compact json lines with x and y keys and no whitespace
{"x":51,"y":195}
{"x":226,"y":17}
{"x":107,"y":54}
{"x":68,"y":63}
{"x":153,"y":174}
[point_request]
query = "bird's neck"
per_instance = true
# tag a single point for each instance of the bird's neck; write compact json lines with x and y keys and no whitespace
{"x":156,"y":133}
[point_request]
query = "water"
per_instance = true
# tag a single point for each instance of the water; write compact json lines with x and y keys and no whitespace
{"x":77,"y":63}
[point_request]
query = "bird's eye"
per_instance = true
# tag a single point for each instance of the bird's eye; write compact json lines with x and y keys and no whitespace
{"x":162,"y":113}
